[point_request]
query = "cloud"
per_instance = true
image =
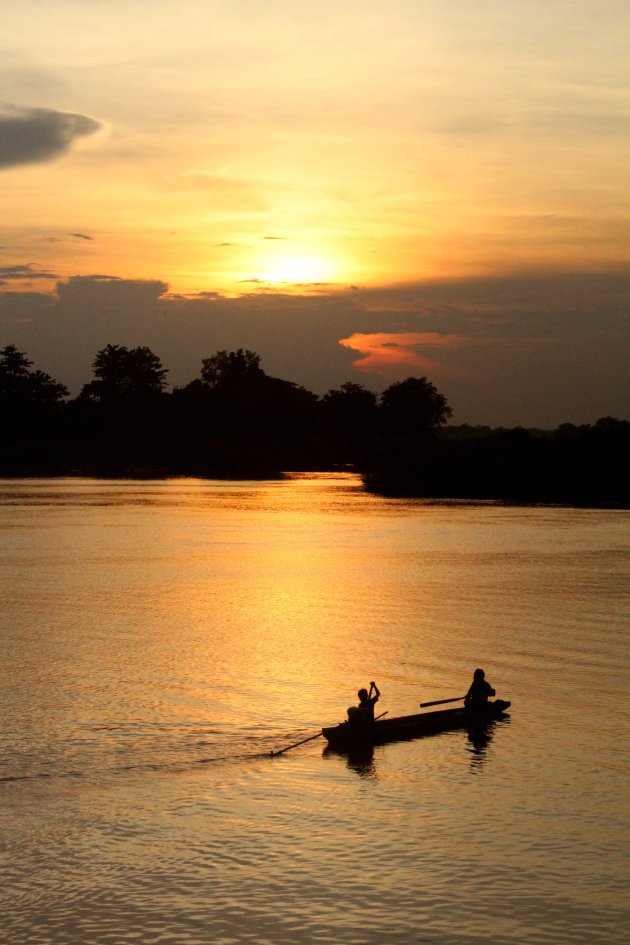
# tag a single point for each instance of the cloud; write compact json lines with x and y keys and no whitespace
{"x":110,"y":293}
{"x":532,"y":349}
{"x":24,"y":271}
{"x":35,"y":135}
{"x":66,"y":237}
{"x":397,"y":354}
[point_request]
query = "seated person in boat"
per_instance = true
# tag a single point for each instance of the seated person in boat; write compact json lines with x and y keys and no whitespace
{"x":479,"y":692}
{"x":363,"y":714}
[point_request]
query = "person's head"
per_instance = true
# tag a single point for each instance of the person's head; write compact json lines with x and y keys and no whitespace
{"x":479,"y":674}
{"x":362,"y":694}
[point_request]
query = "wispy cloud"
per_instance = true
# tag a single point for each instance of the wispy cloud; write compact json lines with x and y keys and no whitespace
{"x":35,"y":135}
{"x":66,"y":237}
{"x":25,"y":271}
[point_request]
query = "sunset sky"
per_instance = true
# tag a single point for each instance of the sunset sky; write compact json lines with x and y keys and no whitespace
{"x":355,"y":190}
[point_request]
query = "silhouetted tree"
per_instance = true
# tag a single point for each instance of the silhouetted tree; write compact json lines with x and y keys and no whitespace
{"x":125,"y":373}
{"x":31,"y":413}
{"x":238,"y":420}
{"x":14,"y":370}
{"x":413,"y":408}
{"x":117,"y":422}
{"x":351,"y":404}
{"x":407,"y":459}
{"x":20,"y":386}
{"x":231,"y":368}
{"x":349,"y":420}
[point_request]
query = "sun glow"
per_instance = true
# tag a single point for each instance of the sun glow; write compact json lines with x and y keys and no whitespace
{"x":296,"y":270}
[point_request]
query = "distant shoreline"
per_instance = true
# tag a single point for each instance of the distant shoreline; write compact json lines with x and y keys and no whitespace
{"x":148,"y":473}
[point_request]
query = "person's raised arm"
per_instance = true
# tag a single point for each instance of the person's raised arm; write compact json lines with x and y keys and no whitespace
{"x":374,"y":687}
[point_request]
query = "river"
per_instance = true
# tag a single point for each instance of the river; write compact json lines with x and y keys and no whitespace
{"x":159,"y":639}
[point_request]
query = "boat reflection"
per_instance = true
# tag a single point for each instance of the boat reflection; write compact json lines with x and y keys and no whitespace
{"x":360,"y":758}
{"x":478,"y":739}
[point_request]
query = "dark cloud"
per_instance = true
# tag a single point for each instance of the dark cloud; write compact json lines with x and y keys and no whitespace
{"x":25,"y":271}
{"x":34,"y":135}
{"x":81,"y":236}
{"x":531,"y":349}
{"x":104,"y":292}
{"x":23,"y":309}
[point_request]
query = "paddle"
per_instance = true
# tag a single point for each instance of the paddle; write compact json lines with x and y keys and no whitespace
{"x":289,"y":747}
{"x":425,"y":705}
{"x":310,"y":739}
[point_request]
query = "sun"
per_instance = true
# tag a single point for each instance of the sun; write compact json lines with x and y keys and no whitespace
{"x":296,"y":270}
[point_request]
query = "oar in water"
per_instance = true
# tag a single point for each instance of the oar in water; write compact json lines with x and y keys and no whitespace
{"x":310,"y":739}
{"x":289,"y":747}
{"x":425,"y":705}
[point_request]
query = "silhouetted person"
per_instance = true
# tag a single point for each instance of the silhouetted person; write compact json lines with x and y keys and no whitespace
{"x":363,"y":714}
{"x":479,"y":692}
{"x":367,"y":701}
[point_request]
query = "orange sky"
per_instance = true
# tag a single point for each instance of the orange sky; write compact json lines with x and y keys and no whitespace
{"x":244,"y":147}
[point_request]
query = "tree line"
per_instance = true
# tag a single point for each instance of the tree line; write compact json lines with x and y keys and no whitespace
{"x":236,"y":421}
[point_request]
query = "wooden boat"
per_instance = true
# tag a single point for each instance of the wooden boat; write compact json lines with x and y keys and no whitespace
{"x":348,"y":735}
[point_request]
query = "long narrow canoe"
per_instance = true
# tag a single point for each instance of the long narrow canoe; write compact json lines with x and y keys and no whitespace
{"x":346,"y":735}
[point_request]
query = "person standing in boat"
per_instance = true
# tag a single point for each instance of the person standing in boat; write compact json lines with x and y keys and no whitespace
{"x":479,"y":692}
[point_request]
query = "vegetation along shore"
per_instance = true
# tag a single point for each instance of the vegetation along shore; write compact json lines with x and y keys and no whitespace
{"x":236,"y":421}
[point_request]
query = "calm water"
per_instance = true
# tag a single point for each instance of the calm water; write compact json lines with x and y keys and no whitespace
{"x":159,"y":639}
